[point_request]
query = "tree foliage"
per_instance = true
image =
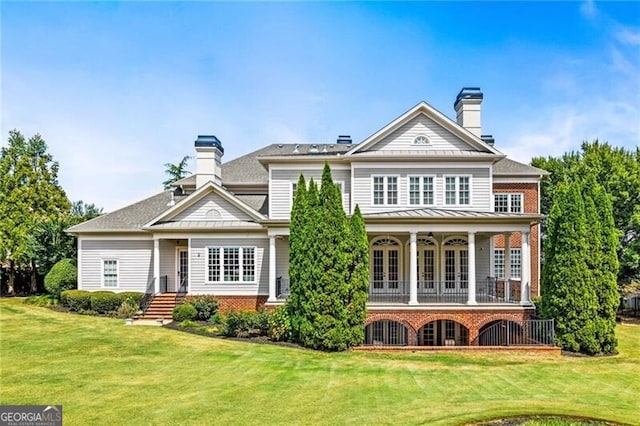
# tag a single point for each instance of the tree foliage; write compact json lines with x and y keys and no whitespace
{"x":176,"y":171}
{"x":62,"y":276}
{"x":29,"y":195}
{"x":618,"y":171}
{"x":327,"y":255}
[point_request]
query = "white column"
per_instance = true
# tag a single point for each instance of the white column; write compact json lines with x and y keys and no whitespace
{"x":413,"y":269}
{"x":471,"y":270}
{"x":156,"y":265}
{"x":507,"y":266}
{"x":272,"y":269}
{"x":525,"y":280}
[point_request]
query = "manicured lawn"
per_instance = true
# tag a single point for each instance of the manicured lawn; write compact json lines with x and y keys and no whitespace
{"x":104,"y":372}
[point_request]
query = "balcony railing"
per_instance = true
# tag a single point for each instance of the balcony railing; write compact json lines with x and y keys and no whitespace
{"x":488,"y":290}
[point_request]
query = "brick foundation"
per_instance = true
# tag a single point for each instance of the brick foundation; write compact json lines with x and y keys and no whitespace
{"x":241,"y":303}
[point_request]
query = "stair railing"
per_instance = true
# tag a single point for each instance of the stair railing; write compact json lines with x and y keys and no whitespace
{"x":148,"y":295}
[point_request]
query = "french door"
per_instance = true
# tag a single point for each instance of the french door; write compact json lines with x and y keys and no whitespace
{"x":182,"y":267}
{"x":456,"y":266}
{"x":427,"y":269}
{"x":385,"y":266}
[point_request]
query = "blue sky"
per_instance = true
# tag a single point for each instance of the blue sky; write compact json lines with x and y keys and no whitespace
{"x":117,"y":89}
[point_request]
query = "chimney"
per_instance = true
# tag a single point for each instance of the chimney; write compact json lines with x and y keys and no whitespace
{"x":209,"y":154}
{"x":467,"y":108}
{"x":344,"y":139}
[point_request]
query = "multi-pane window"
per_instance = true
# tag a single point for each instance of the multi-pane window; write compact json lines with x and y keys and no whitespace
{"x":420,"y":190}
{"x":231,"y":264}
{"x":110,"y":273}
{"x":457,"y":190}
{"x":507,"y":203}
{"x":385,"y":190}
{"x":515,"y":260}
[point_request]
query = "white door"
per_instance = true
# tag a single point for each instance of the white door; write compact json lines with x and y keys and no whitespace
{"x":456,"y":264}
{"x":385,"y":269}
{"x":182,"y":268}
{"x":427,"y":269}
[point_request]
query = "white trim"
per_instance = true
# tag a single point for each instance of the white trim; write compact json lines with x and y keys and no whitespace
{"x":509,"y":201}
{"x":457,"y":194}
{"x":269,"y":195}
{"x":80,"y":261}
{"x":109,"y":259}
{"x":385,"y":189}
{"x":190,"y":265}
{"x":156,"y":265}
{"x":147,"y":237}
{"x":307,"y":166}
{"x":421,"y":190}
{"x":240,"y":264}
{"x":176,"y":275}
{"x":352,"y":205}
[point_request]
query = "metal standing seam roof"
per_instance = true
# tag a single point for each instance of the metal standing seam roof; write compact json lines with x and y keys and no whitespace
{"x":204,"y":225}
{"x":446,"y":214}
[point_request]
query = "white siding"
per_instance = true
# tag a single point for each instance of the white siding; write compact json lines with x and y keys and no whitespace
{"x":483,"y":257}
{"x":135,"y":263}
{"x":168,"y":262}
{"x":211,"y":207}
{"x":281,"y":184}
{"x":282,"y":257}
{"x":198,"y":257}
{"x":480,"y":186}
{"x":439,"y":138}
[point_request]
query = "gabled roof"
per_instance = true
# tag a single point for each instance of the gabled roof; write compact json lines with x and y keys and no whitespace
{"x":507,"y":167}
{"x":201,"y":192}
{"x":433,"y":114}
{"x":129,"y":218}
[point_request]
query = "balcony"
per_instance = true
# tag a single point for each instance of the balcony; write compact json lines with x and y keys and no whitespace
{"x":488,"y":291}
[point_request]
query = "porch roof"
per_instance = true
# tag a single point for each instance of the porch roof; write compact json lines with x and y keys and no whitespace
{"x":195,"y":225}
{"x":451,"y":214}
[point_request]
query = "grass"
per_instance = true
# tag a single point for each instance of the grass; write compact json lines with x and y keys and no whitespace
{"x":104,"y":372}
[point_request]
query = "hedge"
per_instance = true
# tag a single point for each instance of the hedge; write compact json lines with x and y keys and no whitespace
{"x":76,"y":300}
{"x":62,"y":276}
{"x":104,"y":301}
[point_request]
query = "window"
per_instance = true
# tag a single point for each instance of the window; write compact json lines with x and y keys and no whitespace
{"x":110,"y":273}
{"x":385,"y":190}
{"x":457,"y":190}
{"x":420,"y":190}
{"x":507,"y":203}
{"x":231,"y":264}
{"x":515,"y":261}
{"x":421,"y":140}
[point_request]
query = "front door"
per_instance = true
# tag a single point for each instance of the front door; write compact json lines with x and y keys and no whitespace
{"x":385,"y":267}
{"x":456,"y":264}
{"x":182,"y":268}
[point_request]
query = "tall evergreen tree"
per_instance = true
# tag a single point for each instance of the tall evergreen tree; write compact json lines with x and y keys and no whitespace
{"x":176,"y":171}
{"x":568,"y":293}
{"x":297,"y":260}
{"x":29,"y":195}
{"x":357,"y":278}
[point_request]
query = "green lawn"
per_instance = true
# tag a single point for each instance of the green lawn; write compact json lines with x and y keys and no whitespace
{"x":104,"y":372}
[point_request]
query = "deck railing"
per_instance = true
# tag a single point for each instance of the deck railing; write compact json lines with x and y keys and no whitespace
{"x":536,"y":332}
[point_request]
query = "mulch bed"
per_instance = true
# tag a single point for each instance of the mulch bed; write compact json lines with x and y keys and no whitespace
{"x":516,"y":421}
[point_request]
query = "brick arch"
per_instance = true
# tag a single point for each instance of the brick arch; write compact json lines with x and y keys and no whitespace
{"x":446,"y":316}
{"x":517,"y":318}
{"x":389,"y":317}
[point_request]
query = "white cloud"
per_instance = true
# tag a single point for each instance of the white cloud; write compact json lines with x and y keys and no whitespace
{"x":629,"y":36}
{"x":589,"y":10}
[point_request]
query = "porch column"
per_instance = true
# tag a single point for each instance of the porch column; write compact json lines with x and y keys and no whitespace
{"x":272,"y":269}
{"x":413,"y":269}
{"x":507,"y":266}
{"x":156,"y":265}
{"x":525,"y":280}
{"x":471,"y":271}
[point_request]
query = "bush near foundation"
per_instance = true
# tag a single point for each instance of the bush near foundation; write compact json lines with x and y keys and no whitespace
{"x":136,"y":296}
{"x":76,"y":300}
{"x":206,"y":306}
{"x":184,"y":312}
{"x":246,"y":324}
{"x":104,"y":301}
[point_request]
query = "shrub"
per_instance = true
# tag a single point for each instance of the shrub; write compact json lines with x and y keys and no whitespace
{"x":246,"y":324}
{"x":76,"y":300}
{"x":104,"y":301}
{"x":128,"y":308}
{"x":205,"y":306}
{"x":136,"y":296}
{"x":89,"y":312}
{"x":184,"y":312}
{"x":188,"y":324}
{"x":62,"y":276}
{"x":43,"y":300}
{"x":217,"y":319}
{"x":279,"y":324}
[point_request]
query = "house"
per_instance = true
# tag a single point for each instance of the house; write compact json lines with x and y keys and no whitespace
{"x":453,"y":227}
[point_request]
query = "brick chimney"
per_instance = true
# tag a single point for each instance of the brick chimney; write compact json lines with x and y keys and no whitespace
{"x":467,"y":108}
{"x":209,"y":154}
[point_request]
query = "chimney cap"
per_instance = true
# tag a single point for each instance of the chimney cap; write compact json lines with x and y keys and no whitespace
{"x":209,"y":141}
{"x":488,"y":139}
{"x":468,"y":93}
{"x":344,"y":139}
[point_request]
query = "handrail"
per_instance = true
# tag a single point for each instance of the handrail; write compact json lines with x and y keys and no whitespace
{"x":148,"y":294}
{"x":182,"y":290}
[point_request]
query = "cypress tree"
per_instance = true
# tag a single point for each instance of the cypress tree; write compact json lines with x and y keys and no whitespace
{"x":606,"y":285}
{"x":357,"y":278}
{"x":297,"y":259}
{"x":568,"y":291}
